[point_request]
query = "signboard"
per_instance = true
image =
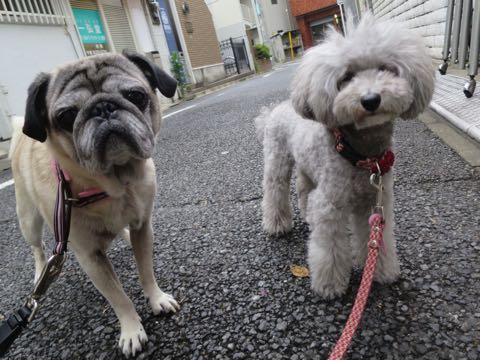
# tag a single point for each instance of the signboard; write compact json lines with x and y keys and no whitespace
{"x":167,"y":26}
{"x":90,"y":28}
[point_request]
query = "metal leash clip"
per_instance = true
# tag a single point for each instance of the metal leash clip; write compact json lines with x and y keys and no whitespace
{"x":377,"y":182}
{"x":50,"y":272}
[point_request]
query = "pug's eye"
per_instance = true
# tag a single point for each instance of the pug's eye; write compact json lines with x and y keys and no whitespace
{"x":389,"y":68}
{"x":345,"y":79}
{"x":66,"y":118}
{"x":137,"y":98}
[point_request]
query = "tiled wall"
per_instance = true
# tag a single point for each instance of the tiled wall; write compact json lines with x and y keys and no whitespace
{"x":424,"y":16}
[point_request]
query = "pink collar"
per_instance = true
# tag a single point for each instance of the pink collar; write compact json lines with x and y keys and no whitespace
{"x":83,"y":198}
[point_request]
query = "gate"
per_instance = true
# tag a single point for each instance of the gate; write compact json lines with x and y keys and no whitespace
{"x":234,"y":56}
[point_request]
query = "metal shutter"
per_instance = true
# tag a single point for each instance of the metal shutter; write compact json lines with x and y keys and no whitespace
{"x":119,"y":27}
{"x":85,"y":4}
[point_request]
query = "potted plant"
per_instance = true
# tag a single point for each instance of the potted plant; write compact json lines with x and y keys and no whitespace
{"x":178,"y":71}
{"x":262,"y":58}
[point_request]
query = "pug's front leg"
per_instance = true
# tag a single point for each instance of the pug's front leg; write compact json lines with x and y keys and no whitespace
{"x":99,"y":268}
{"x":142,"y":245}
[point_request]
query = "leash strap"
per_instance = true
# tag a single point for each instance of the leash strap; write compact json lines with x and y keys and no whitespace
{"x":12,"y":327}
{"x":377,"y":224}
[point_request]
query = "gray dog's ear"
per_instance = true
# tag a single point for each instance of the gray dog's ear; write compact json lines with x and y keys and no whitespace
{"x":422,"y":79}
{"x":36,"y":114}
{"x":157,"y":78}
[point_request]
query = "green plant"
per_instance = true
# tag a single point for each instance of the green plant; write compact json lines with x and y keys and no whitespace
{"x":178,"y":70}
{"x":262,"y":51}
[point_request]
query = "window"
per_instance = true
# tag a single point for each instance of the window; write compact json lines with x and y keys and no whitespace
{"x":274,"y":2}
{"x":32,"y":12}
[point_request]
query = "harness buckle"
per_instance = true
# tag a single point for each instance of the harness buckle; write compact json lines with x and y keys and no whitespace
{"x":50,"y":273}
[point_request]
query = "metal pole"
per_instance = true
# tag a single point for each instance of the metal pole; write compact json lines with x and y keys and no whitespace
{"x":291,"y":45}
{"x":457,"y":17}
{"x":464,"y":29}
{"x":448,"y":30}
{"x":475,"y":41}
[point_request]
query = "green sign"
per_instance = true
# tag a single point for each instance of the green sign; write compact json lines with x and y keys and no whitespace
{"x":89,"y":26}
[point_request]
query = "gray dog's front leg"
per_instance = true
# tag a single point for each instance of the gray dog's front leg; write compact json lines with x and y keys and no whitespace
{"x":329,"y":254}
{"x":142,"y":244}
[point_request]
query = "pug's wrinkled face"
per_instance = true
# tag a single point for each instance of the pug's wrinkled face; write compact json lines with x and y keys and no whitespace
{"x":102,"y":111}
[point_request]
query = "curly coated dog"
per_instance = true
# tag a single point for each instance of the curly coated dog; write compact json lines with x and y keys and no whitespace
{"x":346,"y":94}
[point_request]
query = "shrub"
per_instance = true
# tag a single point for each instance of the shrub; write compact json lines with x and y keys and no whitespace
{"x":262,"y":51}
{"x":178,"y":71}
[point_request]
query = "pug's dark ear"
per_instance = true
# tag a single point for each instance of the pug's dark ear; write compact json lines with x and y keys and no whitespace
{"x":157,"y":78}
{"x":36,"y":114}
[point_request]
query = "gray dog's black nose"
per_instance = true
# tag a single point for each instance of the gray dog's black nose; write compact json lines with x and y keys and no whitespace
{"x":103,"y":109}
{"x":371,"y":101}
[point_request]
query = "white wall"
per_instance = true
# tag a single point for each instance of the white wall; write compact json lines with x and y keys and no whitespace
{"x":427,"y":17}
{"x":26,"y":51}
{"x":276,"y":16}
{"x":225,"y":12}
{"x":140,"y":26}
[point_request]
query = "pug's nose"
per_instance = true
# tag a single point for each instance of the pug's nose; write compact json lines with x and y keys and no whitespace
{"x":371,"y":101}
{"x":103,"y":109}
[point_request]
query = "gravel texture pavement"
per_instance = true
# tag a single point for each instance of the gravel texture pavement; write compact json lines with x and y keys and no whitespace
{"x":239,"y":299}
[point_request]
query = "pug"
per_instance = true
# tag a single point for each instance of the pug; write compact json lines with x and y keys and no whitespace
{"x":97,"y":118}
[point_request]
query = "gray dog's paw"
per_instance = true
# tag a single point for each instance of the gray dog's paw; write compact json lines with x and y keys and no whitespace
{"x":277,"y":225}
{"x":132,"y":338}
{"x":328,"y":283}
{"x":163,"y":303}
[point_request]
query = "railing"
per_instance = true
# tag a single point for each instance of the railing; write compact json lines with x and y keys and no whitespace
{"x":462,"y":38}
{"x":248,"y":14}
{"x":48,"y":12}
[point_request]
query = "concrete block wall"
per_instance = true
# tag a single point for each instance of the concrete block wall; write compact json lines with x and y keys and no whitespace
{"x":427,"y":17}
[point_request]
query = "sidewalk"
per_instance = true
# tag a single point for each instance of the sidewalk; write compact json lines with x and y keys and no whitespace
{"x":450,"y":102}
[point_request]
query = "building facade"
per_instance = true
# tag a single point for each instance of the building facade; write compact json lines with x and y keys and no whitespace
{"x":200,"y":40}
{"x":313,"y":18}
{"x":37,"y":35}
{"x":426,"y":17}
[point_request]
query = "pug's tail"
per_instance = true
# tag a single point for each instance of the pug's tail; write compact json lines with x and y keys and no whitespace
{"x":17,"y":125}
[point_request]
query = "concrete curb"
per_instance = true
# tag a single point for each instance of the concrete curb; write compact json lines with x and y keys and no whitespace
{"x":469,"y":129}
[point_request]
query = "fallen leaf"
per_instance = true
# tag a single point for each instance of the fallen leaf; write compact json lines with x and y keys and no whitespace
{"x":299,"y":271}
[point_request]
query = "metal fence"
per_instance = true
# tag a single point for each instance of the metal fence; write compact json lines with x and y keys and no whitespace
{"x":462,"y":39}
{"x":234,"y":56}
{"x":48,"y":12}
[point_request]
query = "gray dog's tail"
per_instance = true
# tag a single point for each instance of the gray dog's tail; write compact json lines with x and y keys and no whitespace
{"x":261,"y":122}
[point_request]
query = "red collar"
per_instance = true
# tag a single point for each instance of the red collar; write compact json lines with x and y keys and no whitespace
{"x":382,"y":163}
{"x":83,"y":198}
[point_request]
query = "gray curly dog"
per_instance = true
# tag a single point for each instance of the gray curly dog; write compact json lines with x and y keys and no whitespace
{"x":357,"y":85}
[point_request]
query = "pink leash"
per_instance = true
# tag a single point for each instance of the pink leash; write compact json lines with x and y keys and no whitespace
{"x":378,"y":167}
{"x":377,"y":224}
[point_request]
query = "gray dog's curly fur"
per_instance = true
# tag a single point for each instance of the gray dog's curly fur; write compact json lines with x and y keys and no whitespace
{"x":332,"y":86}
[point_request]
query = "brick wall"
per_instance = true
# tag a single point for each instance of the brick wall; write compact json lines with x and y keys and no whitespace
{"x":301,"y":7}
{"x":427,"y":17}
{"x":199,"y":33}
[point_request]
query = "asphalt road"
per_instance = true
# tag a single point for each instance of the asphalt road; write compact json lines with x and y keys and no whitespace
{"x":239,"y":299}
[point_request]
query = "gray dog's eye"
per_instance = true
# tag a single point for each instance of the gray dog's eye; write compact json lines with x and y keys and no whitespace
{"x":137,"y":98}
{"x":66,"y":118}
{"x":389,"y":68}
{"x":345,"y":79}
